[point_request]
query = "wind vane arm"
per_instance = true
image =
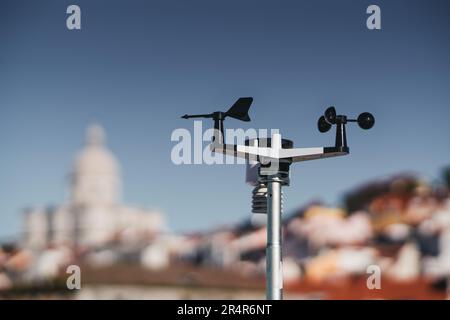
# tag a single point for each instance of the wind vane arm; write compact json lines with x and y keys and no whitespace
{"x":188,"y":116}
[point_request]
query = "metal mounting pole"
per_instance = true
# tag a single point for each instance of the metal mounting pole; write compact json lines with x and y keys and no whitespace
{"x":274,"y":267}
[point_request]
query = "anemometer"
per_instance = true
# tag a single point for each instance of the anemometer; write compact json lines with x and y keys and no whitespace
{"x":268,"y":162}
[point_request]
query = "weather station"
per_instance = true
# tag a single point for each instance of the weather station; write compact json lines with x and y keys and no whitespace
{"x":268,"y":163}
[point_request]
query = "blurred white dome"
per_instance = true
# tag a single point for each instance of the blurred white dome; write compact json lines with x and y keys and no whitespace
{"x":94,"y":158}
{"x":95,"y":176}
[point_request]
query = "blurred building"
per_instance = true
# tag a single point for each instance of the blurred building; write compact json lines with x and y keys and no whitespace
{"x":93,"y":215}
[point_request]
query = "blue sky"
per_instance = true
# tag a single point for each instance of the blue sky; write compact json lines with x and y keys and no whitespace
{"x":137,"y":66}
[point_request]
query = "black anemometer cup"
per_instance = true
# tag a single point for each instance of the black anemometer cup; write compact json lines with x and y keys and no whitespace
{"x":330,"y":115}
{"x":366,"y":120}
{"x":323,"y":125}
